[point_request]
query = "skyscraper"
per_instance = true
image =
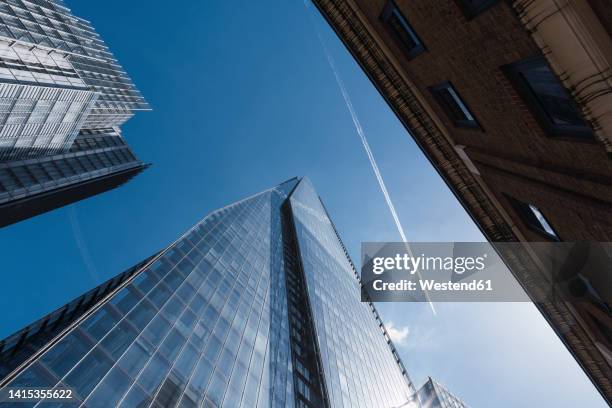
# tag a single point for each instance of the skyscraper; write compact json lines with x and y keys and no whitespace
{"x":257,"y":305}
{"x":97,"y":161}
{"x":57,"y":79}
{"x":433,"y":395}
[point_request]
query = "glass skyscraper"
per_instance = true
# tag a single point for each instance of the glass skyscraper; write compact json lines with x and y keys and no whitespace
{"x":433,"y":395}
{"x":97,"y":161}
{"x":57,"y":80}
{"x":257,"y":305}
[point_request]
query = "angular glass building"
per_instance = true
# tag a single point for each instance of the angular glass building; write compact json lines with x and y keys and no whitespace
{"x":258,"y":305}
{"x":57,"y":79}
{"x":433,"y":395}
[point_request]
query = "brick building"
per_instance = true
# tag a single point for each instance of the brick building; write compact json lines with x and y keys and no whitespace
{"x":511,"y":101}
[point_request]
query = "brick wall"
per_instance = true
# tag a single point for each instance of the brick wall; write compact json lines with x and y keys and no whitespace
{"x":569,"y":180}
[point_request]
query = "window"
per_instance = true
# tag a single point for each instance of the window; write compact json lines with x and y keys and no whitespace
{"x":453,"y":105}
{"x":399,"y":28}
{"x":100,"y":323}
{"x":136,"y":398}
{"x":84,"y":377}
{"x":471,"y":8}
{"x":65,"y":354}
{"x":118,"y":340}
{"x":547,"y":98}
{"x":303,"y":388}
{"x":153,"y":373}
{"x":534,"y":218}
{"x":108,"y":393}
{"x":134,"y":359}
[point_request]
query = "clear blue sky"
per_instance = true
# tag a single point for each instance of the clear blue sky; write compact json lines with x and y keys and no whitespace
{"x":243,"y":99}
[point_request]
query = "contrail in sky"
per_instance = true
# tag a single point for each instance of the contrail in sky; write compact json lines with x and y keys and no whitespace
{"x":78,"y":236}
{"x":362,"y":136}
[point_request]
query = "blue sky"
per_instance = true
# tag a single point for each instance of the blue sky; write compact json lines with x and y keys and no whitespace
{"x":243,"y":99}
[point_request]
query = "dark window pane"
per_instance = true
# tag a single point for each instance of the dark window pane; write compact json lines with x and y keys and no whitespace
{"x":200,"y":378}
{"x":153,"y":374}
{"x":547,"y":98}
{"x":136,"y":398}
{"x":159,"y":295}
{"x":553,"y":97}
{"x":170,"y":392}
{"x":145,"y":281}
{"x":134,"y":359}
{"x":156,"y":330}
{"x":402,"y":31}
{"x":533,"y":217}
{"x":119,"y":339}
{"x":184,"y":365}
{"x":65,"y":354}
{"x":33,"y":376}
{"x":125,"y":300}
{"x":89,"y":372}
{"x":141,"y":314}
{"x":471,"y":8}
{"x":110,"y":391}
{"x":453,"y":105}
{"x":100,"y":323}
{"x":172,"y":345}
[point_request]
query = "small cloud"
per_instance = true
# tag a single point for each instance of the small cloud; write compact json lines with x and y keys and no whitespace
{"x":398,"y":334}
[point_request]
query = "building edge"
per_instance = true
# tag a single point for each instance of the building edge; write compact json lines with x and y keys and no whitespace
{"x":458,"y":173}
{"x":31,"y":206}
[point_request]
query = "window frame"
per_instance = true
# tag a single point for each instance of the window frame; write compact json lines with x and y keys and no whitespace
{"x":460,"y":123}
{"x":410,"y":53}
{"x":527,"y":216}
{"x":514,"y":72}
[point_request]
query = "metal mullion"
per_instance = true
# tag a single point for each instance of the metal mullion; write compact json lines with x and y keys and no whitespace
{"x":139,"y":335}
{"x":188,"y":380}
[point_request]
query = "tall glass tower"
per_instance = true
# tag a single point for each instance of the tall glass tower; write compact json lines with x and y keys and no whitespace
{"x":433,"y":395}
{"x":258,"y":305}
{"x":58,"y":81}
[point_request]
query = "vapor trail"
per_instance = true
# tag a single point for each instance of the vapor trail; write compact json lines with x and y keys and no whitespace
{"x":78,"y":236}
{"x":362,"y":136}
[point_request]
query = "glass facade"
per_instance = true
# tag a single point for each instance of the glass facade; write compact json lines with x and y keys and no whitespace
{"x":58,"y":82}
{"x":238,"y":312}
{"x":361,"y":367}
{"x":37,"y":120}
{"x":44,"y":183}
{"x":433,"y":395}
{"x":48,"y":26}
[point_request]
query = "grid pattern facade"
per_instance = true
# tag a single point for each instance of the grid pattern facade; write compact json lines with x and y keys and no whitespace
{"x":92,"y":155}
{"x":20,"y":63}
{"x":206,"y":322}
{"x":360,"y":368}
{"x":433,"y":395}
{"x":37,"y":121}
{"x":50,"y":24}
{"x":17,"y":348}
{"x":42,"y":46}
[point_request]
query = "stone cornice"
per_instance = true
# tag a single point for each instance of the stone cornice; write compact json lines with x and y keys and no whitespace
{"x":579,"y":50}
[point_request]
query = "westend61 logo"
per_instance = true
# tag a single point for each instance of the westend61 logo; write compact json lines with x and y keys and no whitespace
{"x":576,"y":272}
{"x":412,"y":264}
{"x":435,"y":271}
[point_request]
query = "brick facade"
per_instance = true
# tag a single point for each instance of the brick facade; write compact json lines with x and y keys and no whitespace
{"x":510,"y":156}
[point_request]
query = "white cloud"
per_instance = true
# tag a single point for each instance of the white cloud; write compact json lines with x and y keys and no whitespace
{"x":397,"y":334}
